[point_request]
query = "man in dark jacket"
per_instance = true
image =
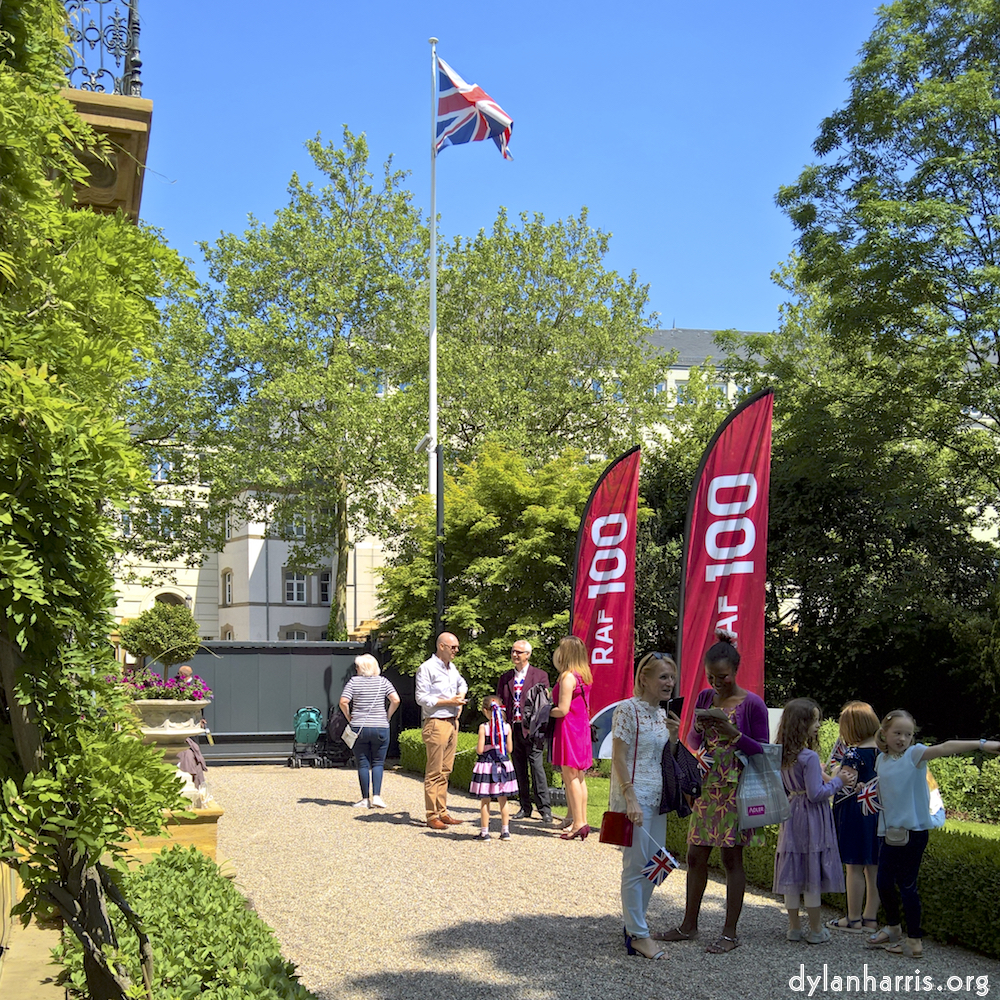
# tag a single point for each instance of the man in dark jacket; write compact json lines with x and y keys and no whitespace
{"x":526,"y":754}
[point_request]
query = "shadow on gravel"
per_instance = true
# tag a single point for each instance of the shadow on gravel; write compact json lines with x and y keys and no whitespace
{"x":325,"y":802}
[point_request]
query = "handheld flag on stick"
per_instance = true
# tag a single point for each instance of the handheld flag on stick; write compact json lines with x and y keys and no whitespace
{"x":661,"y":864}
{"x":466,"y":113}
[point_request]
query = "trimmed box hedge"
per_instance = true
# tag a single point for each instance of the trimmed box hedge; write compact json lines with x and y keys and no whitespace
{"x":959,"y":882}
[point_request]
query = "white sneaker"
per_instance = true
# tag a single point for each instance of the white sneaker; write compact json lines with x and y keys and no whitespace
{"x":377,"y":802}
{"x":363,"y":804}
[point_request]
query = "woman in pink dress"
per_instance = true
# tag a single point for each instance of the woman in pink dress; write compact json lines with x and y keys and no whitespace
{"x":571,"y":747}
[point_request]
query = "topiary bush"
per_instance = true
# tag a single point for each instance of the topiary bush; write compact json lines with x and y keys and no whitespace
{"x":207,"y":944}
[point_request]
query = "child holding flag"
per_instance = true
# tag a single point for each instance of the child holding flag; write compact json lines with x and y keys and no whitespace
{"x":493,"y":775}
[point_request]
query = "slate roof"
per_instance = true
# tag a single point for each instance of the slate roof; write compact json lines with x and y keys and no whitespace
{"x":692,"y":346}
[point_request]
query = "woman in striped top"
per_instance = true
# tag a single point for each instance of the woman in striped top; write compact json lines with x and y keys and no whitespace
{"x":363,"y":704}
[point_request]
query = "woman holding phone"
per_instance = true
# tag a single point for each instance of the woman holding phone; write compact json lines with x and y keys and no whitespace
{"x":727,"y":719}
{"x":641,"y":728}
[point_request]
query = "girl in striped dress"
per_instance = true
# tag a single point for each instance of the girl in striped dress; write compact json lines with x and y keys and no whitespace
{"x":493,"y":775}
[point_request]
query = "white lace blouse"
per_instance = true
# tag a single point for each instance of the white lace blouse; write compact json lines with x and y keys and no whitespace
{"x":653,"y":734}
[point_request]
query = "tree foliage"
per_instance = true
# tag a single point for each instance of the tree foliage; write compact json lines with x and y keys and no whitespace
{"x":76,"y":294}
{"x":165,"y":632}
{"x":511,"y":538}
{"x":879,"y":580}
{"x":312,"y":349}
{"x":542,"y":347}
{"x":899,"y":222}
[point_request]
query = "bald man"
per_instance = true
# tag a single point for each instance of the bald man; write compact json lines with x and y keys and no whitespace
{"x":440,"y":694}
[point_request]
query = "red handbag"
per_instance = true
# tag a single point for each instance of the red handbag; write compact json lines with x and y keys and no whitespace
{"x":616,"y":827}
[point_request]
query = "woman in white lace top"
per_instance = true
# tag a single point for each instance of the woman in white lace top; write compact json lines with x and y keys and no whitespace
{"x":641,"y":728}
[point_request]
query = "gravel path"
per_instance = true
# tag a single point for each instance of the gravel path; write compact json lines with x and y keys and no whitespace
{"x":372,"y":904}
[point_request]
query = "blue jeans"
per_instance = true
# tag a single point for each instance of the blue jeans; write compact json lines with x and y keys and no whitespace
{"x":370,"y":749}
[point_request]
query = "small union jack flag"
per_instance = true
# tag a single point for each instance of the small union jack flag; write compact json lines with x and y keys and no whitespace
{"x":659,"y":866}
{"x":466,"y":113}
{"x":838,"y":751}
{"x":705,"y":759}
{"x":868,"y":798}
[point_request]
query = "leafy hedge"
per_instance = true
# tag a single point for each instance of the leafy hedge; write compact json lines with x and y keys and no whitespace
{"x":413,"y":757}
{"x":969,"y":785}
{"x":207,"y":944}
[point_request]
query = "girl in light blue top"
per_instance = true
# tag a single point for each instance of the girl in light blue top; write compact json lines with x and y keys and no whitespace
{"x":904,"y":822}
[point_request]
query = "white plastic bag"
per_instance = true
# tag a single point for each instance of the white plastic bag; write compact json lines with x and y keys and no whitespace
{"x":760,"y":795}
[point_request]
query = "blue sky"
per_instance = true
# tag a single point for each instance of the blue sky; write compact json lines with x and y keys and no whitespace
{"x":674,"y":123}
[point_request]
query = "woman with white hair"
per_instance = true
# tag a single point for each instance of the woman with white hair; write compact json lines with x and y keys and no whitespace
{"x":363,"y":704}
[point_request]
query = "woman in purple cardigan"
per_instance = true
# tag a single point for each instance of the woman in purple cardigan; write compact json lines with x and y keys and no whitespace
{"x":727,"y":719}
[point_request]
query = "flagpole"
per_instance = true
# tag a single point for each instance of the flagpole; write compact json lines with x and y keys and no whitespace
{"x":432,"y":449}
{"x":435,"y":465}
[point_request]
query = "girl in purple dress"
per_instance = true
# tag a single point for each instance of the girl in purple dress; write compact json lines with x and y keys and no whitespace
{"x":572,"y":750}
{"x":807,"y":862}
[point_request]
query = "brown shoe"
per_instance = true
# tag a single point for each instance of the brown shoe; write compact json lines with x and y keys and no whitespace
{"x":451,"y":821}
{"x":436,"y":824}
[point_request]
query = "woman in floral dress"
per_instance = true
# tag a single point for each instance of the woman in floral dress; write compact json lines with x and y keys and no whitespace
{"x":728,"y":719}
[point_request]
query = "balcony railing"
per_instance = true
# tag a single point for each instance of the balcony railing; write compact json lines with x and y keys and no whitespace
{"x":104,"y":46}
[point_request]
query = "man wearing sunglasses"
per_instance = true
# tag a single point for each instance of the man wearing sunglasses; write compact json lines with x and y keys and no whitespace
{"x":525,"y":753}
{"x":440,"y":693}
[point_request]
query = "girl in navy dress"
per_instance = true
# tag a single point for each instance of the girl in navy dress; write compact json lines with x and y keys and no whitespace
{"x":855,"y":816}
{"x":493,"y":774}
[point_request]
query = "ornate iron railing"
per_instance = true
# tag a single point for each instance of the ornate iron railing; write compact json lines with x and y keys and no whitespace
{"x":104,"y":46}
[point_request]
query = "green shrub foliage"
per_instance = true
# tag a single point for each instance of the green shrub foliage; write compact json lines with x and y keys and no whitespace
{"x":208,"y":945}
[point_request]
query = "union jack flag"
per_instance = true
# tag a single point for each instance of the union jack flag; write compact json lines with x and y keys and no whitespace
{"x":868,"y":798}
{"x":659,"y":866}
{"x":838,"y":751}
{"x":705,"y":759}
{"x":466,"y":113}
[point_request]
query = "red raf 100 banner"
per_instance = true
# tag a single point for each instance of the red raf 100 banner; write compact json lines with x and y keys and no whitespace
{"x":725,"y":550}
{"x":604,"y":580}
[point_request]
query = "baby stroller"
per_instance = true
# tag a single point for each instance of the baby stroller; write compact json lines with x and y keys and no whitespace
{"x":306,"y":748}
{"x":335,"y":750}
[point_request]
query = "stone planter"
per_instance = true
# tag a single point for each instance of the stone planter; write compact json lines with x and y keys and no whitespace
{"x":168,"y":723}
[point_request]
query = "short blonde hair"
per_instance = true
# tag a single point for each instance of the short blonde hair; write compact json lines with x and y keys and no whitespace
{"x":571,"y":655}
{"x":367,"y":665}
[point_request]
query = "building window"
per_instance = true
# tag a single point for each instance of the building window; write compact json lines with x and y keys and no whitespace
{"x":295,"y":635}
{"x":159,"y":469}
{"x":228,"y":635}
{"x":295,"y":530}
{"x":295,"y":588}
{"x":228,"y":527}
{"x":227,"y":588}
{"x":323,"y":634}
{"x":324,"y":588}
{"x":681,"y":389}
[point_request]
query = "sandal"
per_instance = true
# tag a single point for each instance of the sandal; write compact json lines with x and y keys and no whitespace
{"x":884,"y":937}
{"x":630,"y":948}
{"x":723,"y":945}
{"x":674,"y":934}
{"x":846,"y":924}
{"x":869,"y":923}
{"x":905,"y":948}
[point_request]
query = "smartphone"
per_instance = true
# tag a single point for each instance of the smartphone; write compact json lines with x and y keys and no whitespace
{"x":675,"y":705}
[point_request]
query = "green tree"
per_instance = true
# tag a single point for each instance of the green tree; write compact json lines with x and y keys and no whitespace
{"x":165,"y":632}
{"x":878,"y":582}
{"x":511,"y":535}
{"x":541,"y":347}
{"x":898,"y":223}
{"x":76,"y":294}
{"x":313,"y":352}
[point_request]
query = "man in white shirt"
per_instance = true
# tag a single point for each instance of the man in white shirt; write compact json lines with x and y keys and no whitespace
{"x":440,"y":693}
